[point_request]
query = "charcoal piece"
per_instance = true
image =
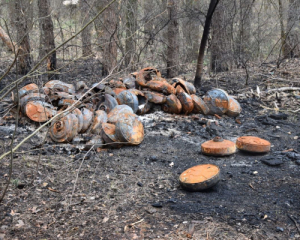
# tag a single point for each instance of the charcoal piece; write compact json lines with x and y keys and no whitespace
{"x":272,"y":160}
{"x":279,"y":116}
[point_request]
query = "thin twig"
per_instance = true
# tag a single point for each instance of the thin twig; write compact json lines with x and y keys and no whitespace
{"x":11,"y":151}
{"x":276,"y":78}
{"x":297,"y":225}
{"x":74,"y":187}
{"x":283,"y":89}
{"x":39,"y":159}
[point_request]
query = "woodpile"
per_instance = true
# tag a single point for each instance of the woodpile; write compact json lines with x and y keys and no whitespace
{"x":110,"y":110}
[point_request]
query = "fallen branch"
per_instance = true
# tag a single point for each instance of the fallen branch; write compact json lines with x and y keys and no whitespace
{"x":77,"y":175}
{"x":283,"y":89}
{"x":297,"y":225}
{"x":298,"y":110}
{"x":132,"y":224}
{"x":277,"y":79}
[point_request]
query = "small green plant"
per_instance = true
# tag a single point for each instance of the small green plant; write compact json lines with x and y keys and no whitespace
{"x":15,"y":182}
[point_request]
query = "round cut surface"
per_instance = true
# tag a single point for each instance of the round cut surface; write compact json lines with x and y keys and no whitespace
{"x":200,"y":177}
{"x":253,"y":144}
{"x":221,"y":148}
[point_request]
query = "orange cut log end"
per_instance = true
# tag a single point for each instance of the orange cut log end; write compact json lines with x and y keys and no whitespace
{"x":223,"y":148}
{"x":37,"y":112}
{"x":253,"y":144}
{"x":200,"y":177}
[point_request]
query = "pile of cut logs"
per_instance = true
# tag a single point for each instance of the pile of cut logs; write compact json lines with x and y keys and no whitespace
{"x":108,"y":112}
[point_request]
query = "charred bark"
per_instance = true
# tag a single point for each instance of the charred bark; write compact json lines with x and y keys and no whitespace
{"x":212,"y":6}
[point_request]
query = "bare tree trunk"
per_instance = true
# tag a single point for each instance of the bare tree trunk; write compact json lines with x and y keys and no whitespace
{"x":107,"y":30}
{"x":110,"y":47}
{"x":221,"y":42}
{"x":244,"y":35}
{"x":86,"y":33}
{"x":212,"y":6}
{"x":20,"y":21}
{"x":190,"y":30}
{"x":173,"y":40}
{"x":47,"y":37}
{"x":131,"y":26}
{"x":291,"y":47}
{"x":282,"y":30}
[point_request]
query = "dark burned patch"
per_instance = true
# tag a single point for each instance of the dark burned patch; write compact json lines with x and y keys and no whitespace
{"x":118,"y":191}
{"x":252,"y":198}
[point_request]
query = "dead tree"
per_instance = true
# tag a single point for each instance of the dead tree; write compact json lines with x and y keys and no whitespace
{"x":47,"y":43}
{"x":212,"y":6}
{"x":172,"y":40}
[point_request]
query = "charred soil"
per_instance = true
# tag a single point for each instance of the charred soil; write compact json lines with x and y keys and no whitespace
{"x":133,"y":192}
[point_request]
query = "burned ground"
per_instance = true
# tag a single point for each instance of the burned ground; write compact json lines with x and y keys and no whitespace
{"x":133,"y":192}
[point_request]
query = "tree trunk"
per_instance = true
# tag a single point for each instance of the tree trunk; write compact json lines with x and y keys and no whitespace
{"x":20,"y":21}
{"x":47,"y":43}
{"x":172,"y":40}
{"x":291,"y":46}
{"x":244,"y":34}
{"x":212,"y":6}
{"x":220,"y":43}
{"x":282,"y":31}
{"x":86,"y":33}
{"x":107,"y":30}
{"x":190,"y":31}
{"x":131,"y":26}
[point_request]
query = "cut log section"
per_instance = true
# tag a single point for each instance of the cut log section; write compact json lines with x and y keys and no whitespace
{"x":39,"y":111}
{"x":130,"y":130}
{"x":172,"y":105}
{"x":200,"y":177}
{"x":186,"y":102}
{"x":217,"y":101}
{"x":199,"y":105}
{"x":253,"y":144}
{"x":218,"y":147}
{"x":65,"y":129}
{"x":234,"y":108}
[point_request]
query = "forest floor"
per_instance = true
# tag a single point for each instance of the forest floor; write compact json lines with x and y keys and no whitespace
{"x":133,"y":192}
